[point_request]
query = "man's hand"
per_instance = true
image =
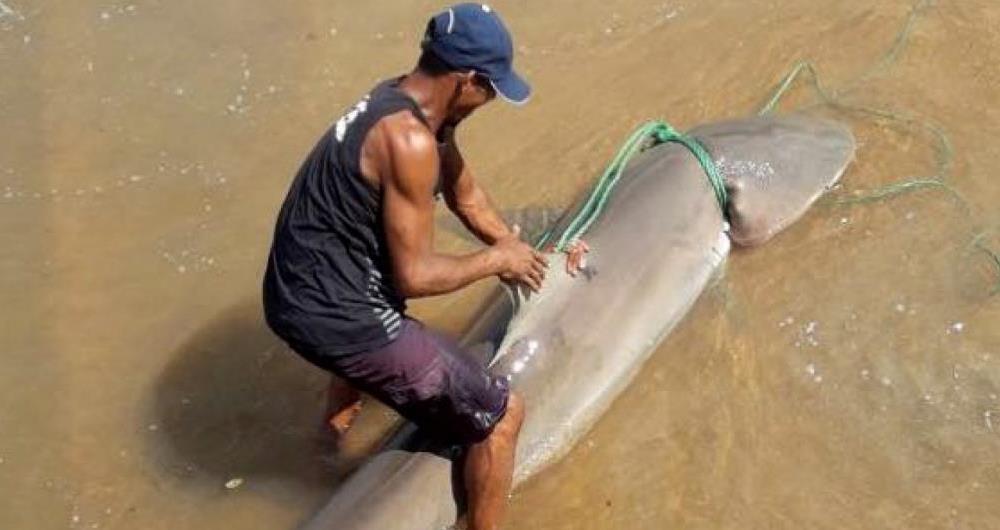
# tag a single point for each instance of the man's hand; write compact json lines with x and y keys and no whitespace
{"x":519,"y":262}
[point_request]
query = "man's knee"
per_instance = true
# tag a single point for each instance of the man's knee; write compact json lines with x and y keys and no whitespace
{"x":515,"y":406}
{"x":512,"y":420}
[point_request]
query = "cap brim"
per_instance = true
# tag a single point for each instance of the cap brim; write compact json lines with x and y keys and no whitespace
{"x":512,"y":88}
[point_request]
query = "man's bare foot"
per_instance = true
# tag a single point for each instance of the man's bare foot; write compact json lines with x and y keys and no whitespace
{"x":341,"y":420}
{"x":342,"y":406}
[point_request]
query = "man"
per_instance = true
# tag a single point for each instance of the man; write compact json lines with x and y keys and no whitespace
{"x":353,"y":240}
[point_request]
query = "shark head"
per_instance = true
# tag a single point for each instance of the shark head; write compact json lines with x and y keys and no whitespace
{"x":775,"y":167}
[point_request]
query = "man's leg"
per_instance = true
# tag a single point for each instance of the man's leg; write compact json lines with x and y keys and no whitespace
{"x":342,"y":406}
{"x":489,"y":466}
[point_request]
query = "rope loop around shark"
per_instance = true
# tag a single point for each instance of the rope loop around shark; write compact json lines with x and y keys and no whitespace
{"x":570,"y":349}
{"x":578,"y":220}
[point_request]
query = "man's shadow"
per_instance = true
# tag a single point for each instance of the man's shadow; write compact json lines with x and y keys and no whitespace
{"x":235,"y":402}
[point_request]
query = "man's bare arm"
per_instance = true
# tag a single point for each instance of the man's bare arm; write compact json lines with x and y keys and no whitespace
{"x":474,"y":208}
{"x":408,"y":175}
{"x":470,"y":202}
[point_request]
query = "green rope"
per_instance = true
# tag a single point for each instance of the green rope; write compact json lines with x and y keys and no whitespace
{"x":833,"y":99}
{"x":944,"y":152}
{"x":883,"y":64}
{"x":786,"y":83}
{"x":644,"y":137}
{"x":654,"y":133}
{"x":897,"y":188}
{"x":977,"y":243}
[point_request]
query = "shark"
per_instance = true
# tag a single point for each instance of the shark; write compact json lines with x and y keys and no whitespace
{"x":575,"y":345}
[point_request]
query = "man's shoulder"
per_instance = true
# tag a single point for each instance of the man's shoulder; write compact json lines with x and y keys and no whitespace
{"x":407,"y":151}
{"x":403,"y":134}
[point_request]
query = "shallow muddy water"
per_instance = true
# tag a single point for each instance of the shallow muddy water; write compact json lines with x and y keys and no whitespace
{"x":846,"y":375}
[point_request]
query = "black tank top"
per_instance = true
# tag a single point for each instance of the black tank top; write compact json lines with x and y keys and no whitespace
{"x":328,"y":287}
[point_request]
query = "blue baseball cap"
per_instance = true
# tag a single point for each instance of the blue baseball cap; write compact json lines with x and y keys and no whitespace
{"x":472,"y":37}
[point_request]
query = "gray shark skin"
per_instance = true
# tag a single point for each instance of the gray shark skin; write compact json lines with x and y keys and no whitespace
{"x":771,"y":185}
{"x":570,"y":349}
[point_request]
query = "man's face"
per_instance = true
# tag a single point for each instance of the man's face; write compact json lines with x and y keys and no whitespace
{"x":474,"y":91}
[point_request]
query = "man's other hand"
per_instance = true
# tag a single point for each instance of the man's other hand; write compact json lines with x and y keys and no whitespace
{"x":576,"y":260}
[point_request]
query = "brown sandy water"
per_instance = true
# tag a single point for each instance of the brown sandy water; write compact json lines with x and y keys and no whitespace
{"x":844,"y":376}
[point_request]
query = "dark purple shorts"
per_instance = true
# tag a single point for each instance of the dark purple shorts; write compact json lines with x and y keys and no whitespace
{"x":427,"y":379}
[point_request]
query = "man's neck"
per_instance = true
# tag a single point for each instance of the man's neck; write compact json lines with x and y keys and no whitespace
{"x":432,"y":95}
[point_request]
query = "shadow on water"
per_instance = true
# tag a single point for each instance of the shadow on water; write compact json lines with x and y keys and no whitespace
{"x":236,"y":402}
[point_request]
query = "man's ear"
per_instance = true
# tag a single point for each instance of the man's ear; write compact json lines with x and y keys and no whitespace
{"x":467,"y":79}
